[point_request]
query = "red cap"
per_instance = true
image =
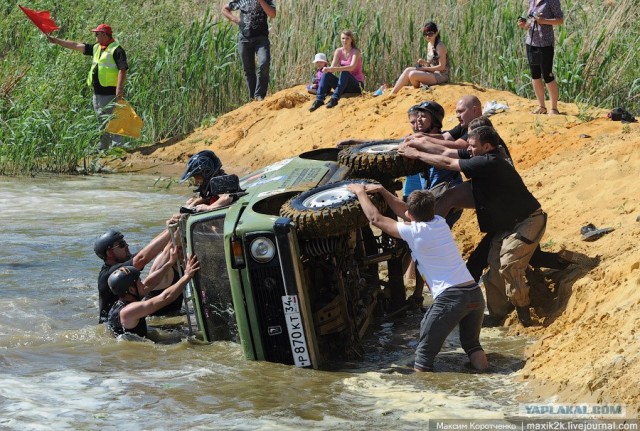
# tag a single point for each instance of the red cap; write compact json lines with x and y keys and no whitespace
{"x":103,"y":27}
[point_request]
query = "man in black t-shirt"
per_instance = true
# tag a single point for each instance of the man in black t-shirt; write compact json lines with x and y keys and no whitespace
{"x":114,"y":251}
{"x":253,"y":40}
{"x":504,"y":207}
{"x":107,"y":75}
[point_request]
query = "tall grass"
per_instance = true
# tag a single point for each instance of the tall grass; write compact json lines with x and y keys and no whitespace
{"x":184,"y":68}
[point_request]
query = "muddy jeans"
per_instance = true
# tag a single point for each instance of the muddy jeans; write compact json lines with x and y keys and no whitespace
{"x":505,"y":281}
{"x":454,"y":306}
{"x":103,"y":106}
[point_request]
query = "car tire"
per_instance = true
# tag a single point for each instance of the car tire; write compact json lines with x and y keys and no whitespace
{"x":329,"y":210}
{"x":378,"y":160}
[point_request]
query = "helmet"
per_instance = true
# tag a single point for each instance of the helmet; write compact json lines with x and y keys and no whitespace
{"x":204,"y":163}
{"x":122,"y":278}
{"x":105,"y":241}
{"x":435,"y":109}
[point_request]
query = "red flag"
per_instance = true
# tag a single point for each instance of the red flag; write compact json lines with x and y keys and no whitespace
{"x":42,"y":19}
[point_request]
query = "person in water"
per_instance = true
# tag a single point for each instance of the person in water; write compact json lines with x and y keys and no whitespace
{"x":113,"y":249}
{"x":128,"y":314}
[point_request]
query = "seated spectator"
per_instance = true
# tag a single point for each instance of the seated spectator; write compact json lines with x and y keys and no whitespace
{"x":347,"y":62}
{"x":434,"y":70}
{"x":320,"y":61}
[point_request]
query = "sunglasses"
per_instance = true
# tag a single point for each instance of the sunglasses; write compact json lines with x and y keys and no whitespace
{"x":119,"y":244}
{"x":428,"y":33}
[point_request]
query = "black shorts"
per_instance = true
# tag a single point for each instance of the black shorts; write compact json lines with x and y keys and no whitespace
{"x":541,"y":62}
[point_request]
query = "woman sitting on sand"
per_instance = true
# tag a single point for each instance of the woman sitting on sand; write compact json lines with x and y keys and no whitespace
{"x":434,"y":70}
{"x":348,"y":62}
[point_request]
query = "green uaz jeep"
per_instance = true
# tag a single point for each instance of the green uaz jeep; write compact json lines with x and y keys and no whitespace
{"x":291,"y":268}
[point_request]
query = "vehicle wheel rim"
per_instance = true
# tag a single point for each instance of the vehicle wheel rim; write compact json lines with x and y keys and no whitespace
{"x":382,"y":148}
{"x":328,"y":197}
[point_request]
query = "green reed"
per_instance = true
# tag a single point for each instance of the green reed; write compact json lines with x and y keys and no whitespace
{"x":185,"y":71}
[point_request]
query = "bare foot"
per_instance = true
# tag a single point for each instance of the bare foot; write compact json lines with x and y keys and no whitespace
{"x":479,"y":360}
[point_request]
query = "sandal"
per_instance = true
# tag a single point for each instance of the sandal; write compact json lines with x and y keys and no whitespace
{"x":540,"y":110}
{"x":554,"y":112}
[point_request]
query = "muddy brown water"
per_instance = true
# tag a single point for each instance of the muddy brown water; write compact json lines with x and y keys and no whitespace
{"x":60,"y":370}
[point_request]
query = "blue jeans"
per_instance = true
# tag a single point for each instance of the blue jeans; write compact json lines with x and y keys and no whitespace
{"x":249,"y":49}
{"x":464,"y":307}
{"x":346,"y":83}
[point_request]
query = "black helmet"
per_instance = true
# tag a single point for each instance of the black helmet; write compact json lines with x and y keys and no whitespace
{"x":204,"y":163}
{"x":105,"y":241}
{"x":435,"y":109}
{"x":122,"y":278}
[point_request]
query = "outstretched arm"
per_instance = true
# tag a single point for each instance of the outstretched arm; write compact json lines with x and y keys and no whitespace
{"x":151,"y":250}
{"x":223,"y":200}
{"x":444,"y":139}
{"x":397,"y":205}
{"x":385,"y":224}
{"x":160,"y":275}
{"x":66,"y":43}
{"x":428,"y":147}
{"x":131,"y":314}
{"x":438,"y":160}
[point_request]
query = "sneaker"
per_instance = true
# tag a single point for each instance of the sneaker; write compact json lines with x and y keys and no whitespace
{"x":259,"y":98}
{"x":315,"y":105}
{"x":332,"y":102}
{"x":524,"y":316}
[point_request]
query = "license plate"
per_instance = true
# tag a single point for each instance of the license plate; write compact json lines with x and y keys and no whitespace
{"x":297,"y":339}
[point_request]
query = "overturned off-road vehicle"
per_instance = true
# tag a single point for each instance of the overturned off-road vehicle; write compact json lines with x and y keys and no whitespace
{"x":291,"y":268}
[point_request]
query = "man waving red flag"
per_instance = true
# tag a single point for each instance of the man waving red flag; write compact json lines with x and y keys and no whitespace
{"x":42,"y":19}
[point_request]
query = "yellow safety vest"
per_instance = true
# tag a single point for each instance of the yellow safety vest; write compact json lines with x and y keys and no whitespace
{"x":107,"y":69}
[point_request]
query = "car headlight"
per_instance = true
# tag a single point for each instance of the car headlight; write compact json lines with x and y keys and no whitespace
{"x":262,"y":249}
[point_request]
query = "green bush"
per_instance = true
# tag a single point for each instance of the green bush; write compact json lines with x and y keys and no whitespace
{"x":184,"y":69}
